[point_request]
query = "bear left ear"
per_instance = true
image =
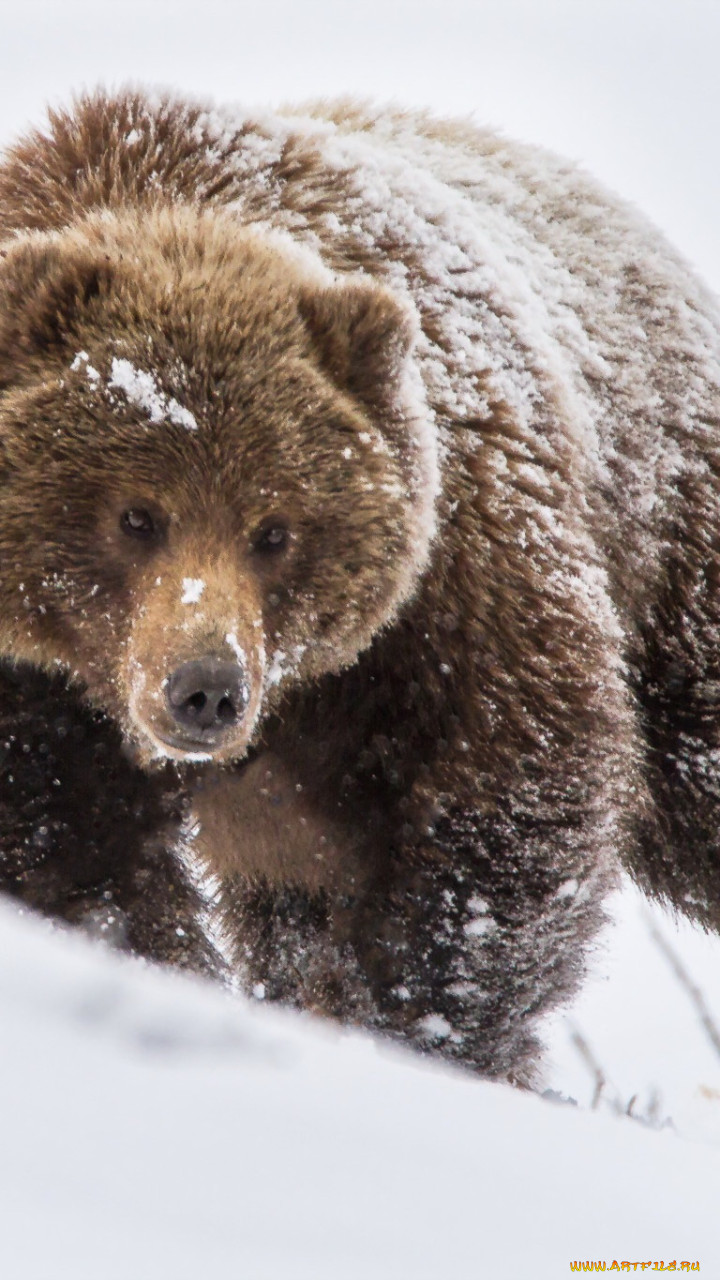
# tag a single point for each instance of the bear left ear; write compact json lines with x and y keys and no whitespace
{"x":45,"y":289}
{"x":363,"y":335}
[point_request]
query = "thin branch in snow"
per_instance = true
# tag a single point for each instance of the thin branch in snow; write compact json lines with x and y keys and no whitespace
{"x":694,"y":993}
{"x":607,"y":1094}
{"x":584,"y":1049}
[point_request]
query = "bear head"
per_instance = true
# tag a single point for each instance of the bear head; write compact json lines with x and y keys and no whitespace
{"x":218,"y":472}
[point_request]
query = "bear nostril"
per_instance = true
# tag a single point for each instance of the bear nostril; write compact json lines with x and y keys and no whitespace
{"x":206,"y":697}
{"x":196,"y":702}
{"x":226,"y":710}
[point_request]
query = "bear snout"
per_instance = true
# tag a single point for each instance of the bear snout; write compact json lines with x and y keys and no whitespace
{"x":206,"y":698}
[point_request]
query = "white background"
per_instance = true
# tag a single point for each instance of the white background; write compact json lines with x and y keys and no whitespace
{"x":630,"y":87}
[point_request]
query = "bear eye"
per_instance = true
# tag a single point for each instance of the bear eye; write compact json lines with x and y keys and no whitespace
{"x":137,"y":523}
{"x":271,"y":538}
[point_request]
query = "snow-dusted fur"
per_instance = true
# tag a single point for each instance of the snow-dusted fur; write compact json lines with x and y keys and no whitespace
{"x":487,"y":395}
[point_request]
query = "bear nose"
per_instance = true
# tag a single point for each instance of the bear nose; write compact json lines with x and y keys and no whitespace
{"x":207,"y":696}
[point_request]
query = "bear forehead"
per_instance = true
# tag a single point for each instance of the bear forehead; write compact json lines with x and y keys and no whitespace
{"x":285,"y":437}
{"x":175,"y":311}
{"x":205,"y":449}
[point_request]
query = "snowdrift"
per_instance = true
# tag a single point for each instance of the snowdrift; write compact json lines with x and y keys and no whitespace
{"x":157,"y":1128}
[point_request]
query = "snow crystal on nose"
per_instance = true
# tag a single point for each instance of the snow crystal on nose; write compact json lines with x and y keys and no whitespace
{"x":192,"y":590}
{"x":237,"y":648}
{"x":142,"y":390}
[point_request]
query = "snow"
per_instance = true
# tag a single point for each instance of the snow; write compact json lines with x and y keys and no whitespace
{"x":232,"y":640}
{"x":155,"y":1128}
{"x":82,"y":363}
{"x":141,"y":389}
{"x":283,"y":665}
{"x":192,"y":590}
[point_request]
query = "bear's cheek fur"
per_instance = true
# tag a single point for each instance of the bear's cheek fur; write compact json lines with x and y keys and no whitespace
{"x":352,"y":579}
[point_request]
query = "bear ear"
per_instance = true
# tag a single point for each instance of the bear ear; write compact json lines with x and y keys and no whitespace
{"x":45,"y":291}
{"x":363,"y":335}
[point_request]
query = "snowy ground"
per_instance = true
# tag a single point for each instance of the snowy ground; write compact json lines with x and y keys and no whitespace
{"x":152,"y":1129}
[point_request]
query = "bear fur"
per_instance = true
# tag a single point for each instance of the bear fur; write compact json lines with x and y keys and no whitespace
{"x":411,"y":433}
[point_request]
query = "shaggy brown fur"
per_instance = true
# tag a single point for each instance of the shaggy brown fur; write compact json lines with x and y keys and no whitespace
{"x":88,"y":837}
{"x":356,"y":410}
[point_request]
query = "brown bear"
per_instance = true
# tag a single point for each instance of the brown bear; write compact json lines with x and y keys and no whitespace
{"x":359,"y":538}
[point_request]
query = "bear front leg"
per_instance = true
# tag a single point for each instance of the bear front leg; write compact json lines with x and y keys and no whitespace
{"x":454,"y":935}
{"x":490,"y":887}
{"x":291,"y":877}
{"x":457,"y":945}
{"x":478,"y":933}
{"x":85,"y":836}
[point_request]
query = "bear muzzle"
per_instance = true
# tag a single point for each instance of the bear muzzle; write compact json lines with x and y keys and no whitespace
{"x":193,"y":670}
{"x":200,"y":706}
{"x":206,"y":699}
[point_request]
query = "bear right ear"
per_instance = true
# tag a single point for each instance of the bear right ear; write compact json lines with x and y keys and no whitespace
{"x":363,"y":335}
{"x":45,"y":290}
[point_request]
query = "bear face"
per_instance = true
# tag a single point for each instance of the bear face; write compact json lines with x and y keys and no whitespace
{"x":258,"y":473}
